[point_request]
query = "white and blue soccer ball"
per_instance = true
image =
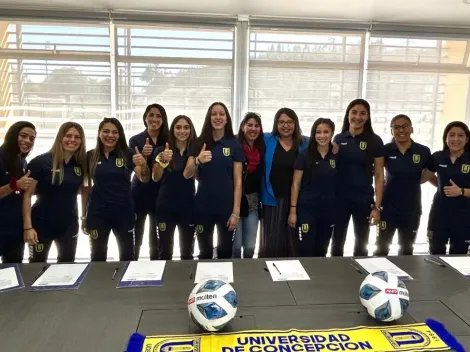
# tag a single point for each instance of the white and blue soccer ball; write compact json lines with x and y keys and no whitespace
{"x":212,"y":304}
{"x":384,"y":295}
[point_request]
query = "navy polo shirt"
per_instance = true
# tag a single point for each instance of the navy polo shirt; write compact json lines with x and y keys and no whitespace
{"x":10,"y":206}
{"x":402,"y":193}
{"x":176,"y":194}
{"x":58,"y":201}
{"x":318,"y":181}
{"x":144,"y":193}
{"x":459,"y":172}
{"x":355,"y":163}
{"x":215,"y":188}
{"x":111,"y":189}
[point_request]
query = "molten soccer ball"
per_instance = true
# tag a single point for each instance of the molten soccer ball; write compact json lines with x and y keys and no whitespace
{"x":384,"y":296}
{"x":212,"y":304}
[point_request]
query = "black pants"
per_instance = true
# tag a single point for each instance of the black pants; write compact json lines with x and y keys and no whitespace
{"x":205,"y":236}
{"x":446,"y":231}
{"x":166,"y":234}
{"x":99,"y":228}
{"x":12,"y":246}
{"x":140,"y":218}
{"x":407,"y":226}
{"x":315,"y":232}
{"x":360,"y":210}
{"x":65,"y":238}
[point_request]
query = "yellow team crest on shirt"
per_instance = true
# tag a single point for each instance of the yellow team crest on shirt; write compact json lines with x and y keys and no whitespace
{"x":162,"y":226}
{"x":383,"y":225}
{"x":465,"y":168}
{"x":226,"y":151}
{"x":304,"y":228}
{"x":93,"y":234}
{"x":39,"y":247}
{"x":416,"y":158}
{"x":199,"y":228}
{"x":119,"y":162}
{"x":333,"y":163}
{"x":363,"y":145}
{"x":78,"y":170}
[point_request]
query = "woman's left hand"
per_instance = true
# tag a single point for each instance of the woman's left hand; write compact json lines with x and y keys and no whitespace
{"x":374,"y":217}
{"x":138,"y":158}
{"x":232,"y":222}
{"x":453,"y":190}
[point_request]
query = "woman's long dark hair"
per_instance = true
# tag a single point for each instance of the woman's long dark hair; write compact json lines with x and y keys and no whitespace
{"x":11,"y":150}
{"x":121,"y":145}
{"x":172,"y":139}
{"x":206,"y":133}
{"x":461,"y":125}
{"x":313,"y":145}
{"x":297,"y":136}
{"x":164,"y":131}
{"x":259,"y":142}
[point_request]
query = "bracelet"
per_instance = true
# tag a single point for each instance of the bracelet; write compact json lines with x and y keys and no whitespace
{"x":82,"y":217}
{"x":235,"y":216}
{"x":293,"y":206}
{"x":197,"y":162}
{"x":159,"y":160}
{"x":13,"y":185}
{"x":28,"y":229}
{"x":462,"y":191}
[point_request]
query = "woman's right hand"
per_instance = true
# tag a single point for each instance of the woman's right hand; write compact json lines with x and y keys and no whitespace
{"x":24,"y":182}
{"x":205,"y":155}
{"x":292,"y":220}
{"x":30,"y":237}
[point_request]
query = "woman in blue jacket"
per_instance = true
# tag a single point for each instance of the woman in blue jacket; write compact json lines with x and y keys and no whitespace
{"x":283,"y":144}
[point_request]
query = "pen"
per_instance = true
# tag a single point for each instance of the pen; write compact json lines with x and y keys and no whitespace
{"x":274,"y":265}
{"x":114,"y":273}
{"x":434,"y":262}
{"x":357,"y":269}
{"x":191,"y":273}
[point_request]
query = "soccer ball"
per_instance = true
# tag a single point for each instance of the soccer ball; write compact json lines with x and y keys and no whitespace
{"x":212,"y":304}
{"x":384,"y":296}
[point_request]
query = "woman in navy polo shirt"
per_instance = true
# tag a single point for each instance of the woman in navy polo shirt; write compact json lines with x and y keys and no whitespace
{"x":174,"y":205}
{"x":312,"y":209}
{"x":360,"y":161}
{"x":251,"y":137}
{"x":217,"y":158}
{"x":14,"y":180}
{"x":405,"y":161}
{"x":144,"y":194}
{"x":59,"y":176}
{"x":277,"y":238}
{"x":110,"y":207}
{"x":451,"y":221}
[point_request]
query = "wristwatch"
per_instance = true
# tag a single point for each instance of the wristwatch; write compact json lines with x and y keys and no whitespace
{"x":462,"y":191}
{"x":159,"y":160}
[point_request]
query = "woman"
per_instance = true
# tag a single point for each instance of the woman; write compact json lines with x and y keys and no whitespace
{"x":251,"y":138}
{"x":217,"y":158}
{"x":451,"y":214}
{"x":144,"y":194}
{"x":14,"y":180}
{"x":59,"y":175}
{"x":405,"y":161}
{"x":360,"y":160}
{"x":174,"y":204}
{"x":312,"y":209}
{"x":277,"y":238}
{"x":110,"y":207}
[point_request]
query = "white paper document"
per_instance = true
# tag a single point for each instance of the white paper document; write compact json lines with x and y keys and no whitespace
{"x":144,"y":271}
{"x":8,"y":279}
{"x":382,"y":264}
{"x":461,"y":264}
{"x":215,"y":271}
{"x":287,"y":270}
{"x":60,"y":275}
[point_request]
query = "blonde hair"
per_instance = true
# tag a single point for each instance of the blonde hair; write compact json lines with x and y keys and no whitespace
{"x":58,"y":152}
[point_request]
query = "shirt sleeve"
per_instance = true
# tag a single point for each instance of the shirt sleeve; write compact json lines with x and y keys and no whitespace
{"x":195,"y":148}
{"x":133,"y":142}
{"x":431,"y":162}
{"x":299,"y":163}
{"x":238,"y":153}
{"x":35,"y":167}
{"x":130,"y":153}
{"x":379,"y":148}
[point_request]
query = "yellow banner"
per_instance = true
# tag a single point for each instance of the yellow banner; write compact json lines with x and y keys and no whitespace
{"x":415,"y":337}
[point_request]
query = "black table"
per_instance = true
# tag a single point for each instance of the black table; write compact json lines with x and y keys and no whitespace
{"x":100,"y":317}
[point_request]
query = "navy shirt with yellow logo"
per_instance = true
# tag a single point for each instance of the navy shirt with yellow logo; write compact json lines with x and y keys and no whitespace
{"x":355,"y":163}
{"x":55,"y":201}
{"x":215,"y":188}
{"x":459,"y":173}
{"x":402,"y":192}
{"x":111,"y":189}
{"x":318,"y":181}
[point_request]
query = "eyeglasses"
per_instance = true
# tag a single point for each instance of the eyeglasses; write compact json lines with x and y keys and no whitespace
{"x":401,"y":127}
{"x":286,"y":123}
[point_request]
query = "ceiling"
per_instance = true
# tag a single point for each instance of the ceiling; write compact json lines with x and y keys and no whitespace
{"x":430,"y":12}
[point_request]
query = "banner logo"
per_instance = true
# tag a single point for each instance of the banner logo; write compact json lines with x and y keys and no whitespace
{"x":199,"y":228}
{"x":383,"y":225}
{"x":39,"y":247}
{"x":93,"y":234}
{"x":162,"y":226}
{"x":408,"y":338}
{"x":304,"y":228}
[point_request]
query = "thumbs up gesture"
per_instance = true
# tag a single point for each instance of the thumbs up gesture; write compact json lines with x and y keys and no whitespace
{"x":24,"y":182}
{"x":148,"y":149}
{"x":138,"y":159}
{"x":205,"y":155}
{"x":453,"y":190}
{"x":167,"y":154}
